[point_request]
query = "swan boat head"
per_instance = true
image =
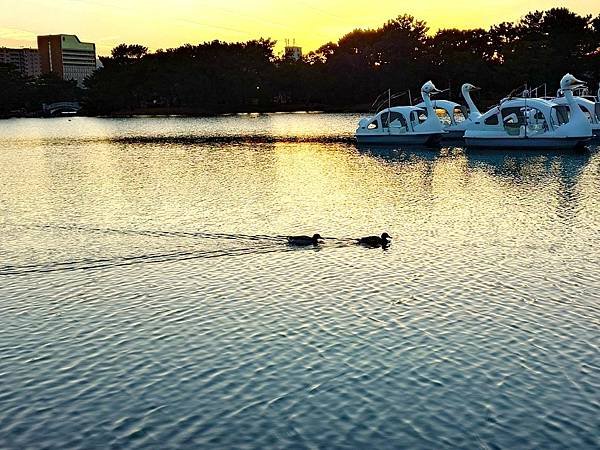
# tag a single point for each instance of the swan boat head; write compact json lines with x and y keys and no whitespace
{"x":432,"y":124}
{"x":569,"y":83}
{"x":578,"y":124}
{"x":466,"y":90}
{"x":429,"y":88}
{"x":468,"y":87}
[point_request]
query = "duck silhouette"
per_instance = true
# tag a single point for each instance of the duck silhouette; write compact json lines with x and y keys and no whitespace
{"x":375,"y":241}
{"x":304,"y":241}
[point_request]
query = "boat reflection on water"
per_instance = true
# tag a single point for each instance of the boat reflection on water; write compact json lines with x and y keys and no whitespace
{"x":529,"y":162}
{"x":519,"y":164}
{"x":530,"y":170}
{"x":526,"y":174}
{"x":397,"y":152}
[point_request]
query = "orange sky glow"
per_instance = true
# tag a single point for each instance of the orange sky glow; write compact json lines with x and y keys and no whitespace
{"x":164,"y":24}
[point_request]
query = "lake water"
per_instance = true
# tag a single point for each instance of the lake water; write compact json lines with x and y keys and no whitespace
{"x":149,"y":300}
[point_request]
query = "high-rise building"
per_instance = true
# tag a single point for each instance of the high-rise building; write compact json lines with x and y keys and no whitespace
{"x":292,"y":51}
{"x":26,"y":60}
{"x":66,"y":56}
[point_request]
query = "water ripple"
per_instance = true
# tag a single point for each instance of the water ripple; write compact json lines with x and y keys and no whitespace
{"x":149,"y":298}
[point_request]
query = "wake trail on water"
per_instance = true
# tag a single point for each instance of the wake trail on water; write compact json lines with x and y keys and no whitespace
{"x":160,"y":233}
{"x":267,"y":244}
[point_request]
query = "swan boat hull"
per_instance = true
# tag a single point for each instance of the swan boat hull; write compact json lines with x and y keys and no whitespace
{"x":453,"y":135}
{"x":400,"y":139}
{"x":560,"y":143}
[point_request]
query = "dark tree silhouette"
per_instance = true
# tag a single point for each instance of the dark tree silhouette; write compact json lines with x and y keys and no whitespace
{"x":20,"y":95}
{"x":123,"y":53}
{"x":216,"y":76}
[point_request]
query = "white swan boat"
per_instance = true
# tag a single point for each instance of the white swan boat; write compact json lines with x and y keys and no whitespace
{"x":403,"y":124}
{"x":533,"y":123}
{"x":590,"y":108}
{"x":455,"y":118}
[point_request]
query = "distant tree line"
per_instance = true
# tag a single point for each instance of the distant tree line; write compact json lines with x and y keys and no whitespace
{"x":217,"y":76}
{"x":23,"y":96}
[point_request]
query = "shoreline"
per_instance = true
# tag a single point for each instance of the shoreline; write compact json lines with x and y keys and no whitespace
{"x":198,"y":112}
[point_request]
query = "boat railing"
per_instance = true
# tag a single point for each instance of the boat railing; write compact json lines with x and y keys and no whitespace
{"x":384,"y":100}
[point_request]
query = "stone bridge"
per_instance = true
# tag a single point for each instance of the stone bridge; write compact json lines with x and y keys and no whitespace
{"x":53,"y":109}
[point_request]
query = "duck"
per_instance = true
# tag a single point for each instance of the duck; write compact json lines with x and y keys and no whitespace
{"x":303,"y":241}
{"x":375,"y":241}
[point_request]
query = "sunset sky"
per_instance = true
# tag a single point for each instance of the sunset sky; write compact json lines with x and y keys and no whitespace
{"x":169,"y":23}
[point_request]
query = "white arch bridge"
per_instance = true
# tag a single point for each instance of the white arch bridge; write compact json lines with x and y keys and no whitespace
{"x":58,"y":108}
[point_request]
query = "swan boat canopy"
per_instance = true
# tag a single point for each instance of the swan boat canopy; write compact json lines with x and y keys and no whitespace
{"x":590,"y":108}
{"x":533,"y":123}
{"x":452,"y":116}
{"x":403,"y":124}
{"x":455,"y":118}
